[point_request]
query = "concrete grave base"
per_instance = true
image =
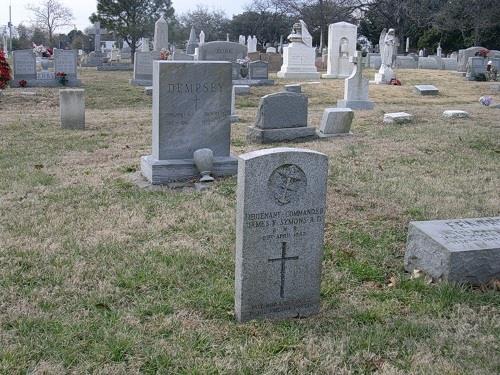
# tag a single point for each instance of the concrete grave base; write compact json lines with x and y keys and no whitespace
{"x":258,"y":135}
{"x":141,"y":82}
{"x":254,"y":82}
{"x":160,"y":172}
{"x":299,"y":75}
{"x":115,"y":67}
{"x":323,"y":135}
{"x":46,"y":83}
{"x":355,"y":104}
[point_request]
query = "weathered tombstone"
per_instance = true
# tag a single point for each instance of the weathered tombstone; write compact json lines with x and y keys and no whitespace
{"x":356,"y":88}
{"x":427,"y":90}
{"x":299,"y":58}
{"x":221,"y":51}
{"x":258,"y":70}
{"x":66,"y":61}
{"x":464,"y":55}
{"x":281,"y":117}
{"x":281,"y":203}
{"x":24,"y":66}
{"x":191,"y":111}
{"x":462,"y":251}
{"x":336,"y":122}
{"x":235,"y":71}
{"x":475,"y":67}
{"x":375,"y":61}
{"x":428,"y":63}
{"x":406,"y":62}
{"x":192,"y":43}
{"x":342,"y":37}
{"x":161,"y":35}
{"x":72,"y":108}
{"x":241,"y":89}
{"x":450,"y":63}
{"x":143,"y":68}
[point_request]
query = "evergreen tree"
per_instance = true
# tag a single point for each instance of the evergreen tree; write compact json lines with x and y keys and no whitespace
{"x":5,"y":71}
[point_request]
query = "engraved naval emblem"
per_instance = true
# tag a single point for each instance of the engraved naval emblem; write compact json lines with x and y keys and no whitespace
{"x":287,"y":184}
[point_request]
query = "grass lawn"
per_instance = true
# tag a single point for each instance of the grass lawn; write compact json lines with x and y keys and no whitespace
{"x":100,"y":276}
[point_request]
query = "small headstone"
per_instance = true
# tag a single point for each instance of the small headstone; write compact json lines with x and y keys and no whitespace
{"x":258,"y":70}
{"x":143,"y":68}
{"x":72,"y":108}
{"x":148,"y":90}
{"x":293,"y":88}
{"x":462,"y":251}
{"x":281,"y":117}
{"x":181,"y":56}
{"x":191,"y":111}
{"x":397,"y":118}
{"x":281,"y":203}
{"x":427,"y":89}
{"x":336,"y":122}
{"x":241,"y":89}
{"x":455,"y":114}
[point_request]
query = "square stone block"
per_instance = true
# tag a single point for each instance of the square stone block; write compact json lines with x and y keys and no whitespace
{"x":455,"y":114}
{"x":258,"y":135}
{"x":336,"y":122}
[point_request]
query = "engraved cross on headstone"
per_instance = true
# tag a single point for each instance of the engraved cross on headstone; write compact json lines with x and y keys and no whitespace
{"x":283,"y":260}
{"x":196,"y":101}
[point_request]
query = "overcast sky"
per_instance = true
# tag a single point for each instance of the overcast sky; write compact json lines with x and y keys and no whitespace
{"x":83,"y":8}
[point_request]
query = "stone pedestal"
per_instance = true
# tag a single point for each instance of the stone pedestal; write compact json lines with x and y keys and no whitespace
{"x":299,"y":62}
{"x":384,"y":75}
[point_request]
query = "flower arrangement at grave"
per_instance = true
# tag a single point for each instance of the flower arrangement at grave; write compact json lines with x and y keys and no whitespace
{"x":23,"y":83}
{"x":62,"y":78}
{"x":164,"y":54}
{"x":243,"y":66}
{"x":395,"y":82}
{"x":483,"y":52}
{"x":41,"y":51}
{"x":5,"y":71}
{"x":486,"y":100}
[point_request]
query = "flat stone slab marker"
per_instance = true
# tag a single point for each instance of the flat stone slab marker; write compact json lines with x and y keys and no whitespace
{"x":427,"y":89}
{"x":397,"y":118}
{"x":462,"y":251}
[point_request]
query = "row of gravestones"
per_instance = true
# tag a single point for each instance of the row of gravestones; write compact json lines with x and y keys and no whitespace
{"x":257,"y":72}
{"x":281,"y":197}
{"x":25,"y":69}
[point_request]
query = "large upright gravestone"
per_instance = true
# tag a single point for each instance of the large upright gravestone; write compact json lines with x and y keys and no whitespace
{"x":143,"y":68}
{"x":24,"y":66}
{"x":463,"y":250}
{"x":281,"y":202}
{"x":191,"y":110}
{"x":221,"y":51}
{"x":356,"y":88}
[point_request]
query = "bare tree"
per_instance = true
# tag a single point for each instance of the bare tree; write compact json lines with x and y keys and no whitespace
{"x":51,"y":15}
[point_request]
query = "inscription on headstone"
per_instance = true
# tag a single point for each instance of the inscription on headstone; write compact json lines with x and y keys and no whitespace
{"x":65,"y":61}
{"x":463,"y":250}
{"x":258,"y":70}
{"x":221,"y":51}
{"x":191,"y":110}
{"x":24,"y":64}
{"x":279,"y":233}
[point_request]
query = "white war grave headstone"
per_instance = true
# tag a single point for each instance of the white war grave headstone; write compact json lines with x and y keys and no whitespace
{"x":280,"y":219}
